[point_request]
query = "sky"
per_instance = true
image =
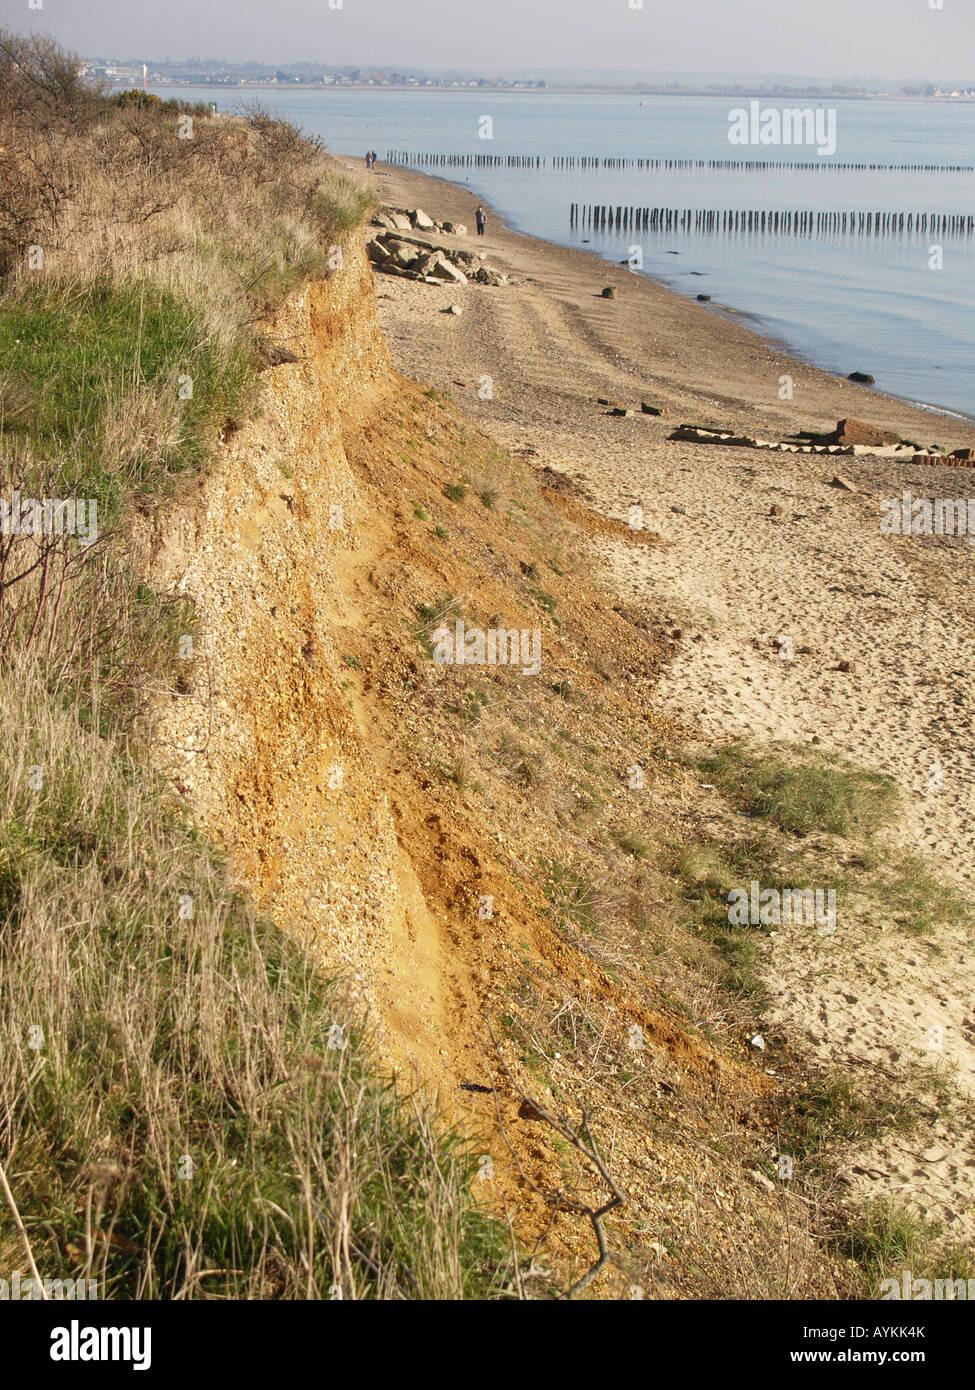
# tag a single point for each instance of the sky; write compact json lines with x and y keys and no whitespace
{"x":822,"y":38}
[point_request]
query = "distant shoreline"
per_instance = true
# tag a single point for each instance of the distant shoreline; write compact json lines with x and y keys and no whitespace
{"x":716,"y":313}
{"x":739,"y":93}
{"x":724,"y":336}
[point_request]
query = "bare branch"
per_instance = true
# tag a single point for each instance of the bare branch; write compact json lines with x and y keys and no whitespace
{"x":559,"y":1200}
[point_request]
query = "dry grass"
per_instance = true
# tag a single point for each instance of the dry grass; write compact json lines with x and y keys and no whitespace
{"x":155,"y":240}
{"x":226,"y":214}
{"x":187,"y":1110}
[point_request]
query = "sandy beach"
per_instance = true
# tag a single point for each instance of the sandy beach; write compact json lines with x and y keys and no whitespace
{"x":756,"y":546}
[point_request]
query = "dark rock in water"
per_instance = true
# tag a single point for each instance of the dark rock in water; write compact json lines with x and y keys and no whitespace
{"x":858,"y":432}
{"x":864,"y":378}
{"x":609,"y":292}
{"x":704,"y":298}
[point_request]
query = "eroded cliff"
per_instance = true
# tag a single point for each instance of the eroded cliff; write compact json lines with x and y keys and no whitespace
{"x":461,"y":843}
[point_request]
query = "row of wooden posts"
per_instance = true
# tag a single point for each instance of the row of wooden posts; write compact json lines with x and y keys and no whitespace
{"x":566,"y":161}
{"x":798,"y":221}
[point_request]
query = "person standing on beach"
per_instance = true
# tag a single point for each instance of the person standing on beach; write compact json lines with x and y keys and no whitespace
{"x":480,"y":217}
{"x":368,"y":159}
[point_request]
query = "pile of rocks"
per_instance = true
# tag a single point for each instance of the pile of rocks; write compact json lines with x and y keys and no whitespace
{"x":393,"y":251}
{"x":937,"y":458}
{"x":698,"y":434}
{"x":871,"y":437}
{"x":852,"y":437}
{"x":622,"y":409}
{"x":414,"y":219}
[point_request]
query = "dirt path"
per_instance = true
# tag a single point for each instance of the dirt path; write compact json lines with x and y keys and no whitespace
{"x":758,"y":547}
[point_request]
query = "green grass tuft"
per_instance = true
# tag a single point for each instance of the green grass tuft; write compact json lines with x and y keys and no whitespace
{"x":803,"y":794}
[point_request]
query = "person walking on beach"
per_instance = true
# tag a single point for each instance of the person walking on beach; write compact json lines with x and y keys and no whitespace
{"x":480,"y":217}
{"x":368,"y":159}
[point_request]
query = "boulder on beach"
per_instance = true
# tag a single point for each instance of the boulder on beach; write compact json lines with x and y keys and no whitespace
{"x":864,"y":378}
{"x":443,"y":270}
{"x":419,"y":219}
{"x":858,"y":432}
{"x":453,"y":228}
{"x":467,"y":260}
{"x":394,"y":253}
{"x":427,"y":260}
{"x":405,"y":257}
{"x":609,"y":292}
{"x":400,"y":253}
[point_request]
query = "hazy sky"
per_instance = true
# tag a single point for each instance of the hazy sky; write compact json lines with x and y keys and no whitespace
{"x":835,"y":38}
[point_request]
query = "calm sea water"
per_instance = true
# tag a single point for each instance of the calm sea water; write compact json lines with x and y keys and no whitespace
{"x":842,"y":302}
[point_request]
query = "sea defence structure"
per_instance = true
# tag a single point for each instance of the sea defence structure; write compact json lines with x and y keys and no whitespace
{"x":788,"y":222}
{"x":430,"y":159}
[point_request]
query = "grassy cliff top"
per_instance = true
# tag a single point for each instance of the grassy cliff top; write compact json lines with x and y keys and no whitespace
{"x":187,"y":1109}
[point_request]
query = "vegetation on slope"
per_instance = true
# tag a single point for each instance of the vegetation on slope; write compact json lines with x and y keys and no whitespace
{"x":186,"y":1108}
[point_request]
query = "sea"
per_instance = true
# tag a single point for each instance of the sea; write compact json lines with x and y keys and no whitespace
{"x":898,"y":304}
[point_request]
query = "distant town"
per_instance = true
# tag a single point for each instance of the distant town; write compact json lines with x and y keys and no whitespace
{"x":215,"y":73}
